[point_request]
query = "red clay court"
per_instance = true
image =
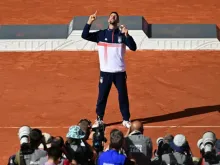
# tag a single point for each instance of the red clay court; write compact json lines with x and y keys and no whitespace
{"x":56,"y":89}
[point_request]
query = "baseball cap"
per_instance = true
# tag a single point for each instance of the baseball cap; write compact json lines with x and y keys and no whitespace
{"x":178,"y":143}
{"x":75,"y":132}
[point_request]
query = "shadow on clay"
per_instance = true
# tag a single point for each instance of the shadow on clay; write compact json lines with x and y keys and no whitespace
{"x":176,"y":115}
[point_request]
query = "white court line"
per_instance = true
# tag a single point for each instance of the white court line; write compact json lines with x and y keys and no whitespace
{"x":116,"y":126}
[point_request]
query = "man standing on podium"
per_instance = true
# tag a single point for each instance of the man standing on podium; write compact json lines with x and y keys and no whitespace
{"x":112,"y":44}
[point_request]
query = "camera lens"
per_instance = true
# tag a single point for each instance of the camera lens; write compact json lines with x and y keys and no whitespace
{"x":208,"y":141}
{"x":200,"y":144}
{"x":23,"y":134}
{"x":159,"y":141}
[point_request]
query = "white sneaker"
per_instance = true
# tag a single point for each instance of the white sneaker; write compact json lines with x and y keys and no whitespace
{"x":127,"y":124}
{"x":96,"y":124}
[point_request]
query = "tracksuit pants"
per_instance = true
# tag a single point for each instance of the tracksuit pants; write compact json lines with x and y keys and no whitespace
{"x":105,"y":82}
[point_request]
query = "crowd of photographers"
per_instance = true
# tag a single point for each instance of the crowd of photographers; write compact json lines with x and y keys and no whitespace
{"x":37,"y":148}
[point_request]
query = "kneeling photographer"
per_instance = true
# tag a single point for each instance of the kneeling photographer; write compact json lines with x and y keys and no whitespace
{"x":29,"y":153}
{"x":86,"y":127}
{"x":207,"y":149}
{"x":76,"y":148}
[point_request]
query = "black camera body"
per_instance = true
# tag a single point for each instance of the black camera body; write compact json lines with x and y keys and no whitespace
{"x":99,"y":137}
{"x":211,"y":158}
{"x":26,"y":149}
{"x":206,"y":145}
{"x":163,"y":148}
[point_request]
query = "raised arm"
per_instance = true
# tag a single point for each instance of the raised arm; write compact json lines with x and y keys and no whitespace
{"x":86,"y":34}
{"x":93,"y":37}
{"x":128,"y":41}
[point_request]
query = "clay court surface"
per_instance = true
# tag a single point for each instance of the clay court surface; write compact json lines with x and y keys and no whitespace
{"x":56,"y":89}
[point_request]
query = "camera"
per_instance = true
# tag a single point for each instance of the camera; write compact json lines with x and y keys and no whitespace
{"x":159,"y":141}
{"x":26,"y":149}
{"x":163,"y":147}
{"x":99,"y":137}
{"x":23,"y":134}
{"x":200,"y":144}
{"x":206,"y":145}
{"x":209,"y":140}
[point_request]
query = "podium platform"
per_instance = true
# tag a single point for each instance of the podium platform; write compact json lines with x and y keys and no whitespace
{"x":67,"y":37}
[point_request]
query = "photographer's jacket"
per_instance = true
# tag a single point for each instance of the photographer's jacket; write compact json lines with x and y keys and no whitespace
{"x":140,"y":147}
{"x":80,"y":153}
{"x":111,"y":47}
{"x":179,"y":158}
{"x":31,"y":159}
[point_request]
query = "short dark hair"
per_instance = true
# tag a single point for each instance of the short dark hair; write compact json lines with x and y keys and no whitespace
{"x":116,"y":13}
{"x":35,"y":135}
{"x":54,"y":153}
{"x":85,"y":124}
{"x":116,"y":139}
{"x":57,"y":142}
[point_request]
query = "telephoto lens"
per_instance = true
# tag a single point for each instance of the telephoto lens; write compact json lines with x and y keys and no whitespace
{"x":23,"y":134}
{"x":209,"y":140}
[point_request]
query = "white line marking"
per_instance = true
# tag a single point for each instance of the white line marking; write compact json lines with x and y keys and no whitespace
{"x":116,"y":126}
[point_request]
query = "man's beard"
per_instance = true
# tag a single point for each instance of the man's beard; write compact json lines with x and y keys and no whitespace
{"x":114,"y":22}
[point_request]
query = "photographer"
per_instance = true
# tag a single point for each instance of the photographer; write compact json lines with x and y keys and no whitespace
{"x":98,"y":137}
{"x":86,"y":126}
{"x":137,"y":145}
{"x":181,"y":152}
{"x":29,"y":152}
{"x":23,"y":135}
{"x":76,"y":150}
{"x":54,"y":156}
{"x":163,"y":144}
{"x":113,"y":156}
{"x":207,"y":149}
{"x":58,"y":142}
